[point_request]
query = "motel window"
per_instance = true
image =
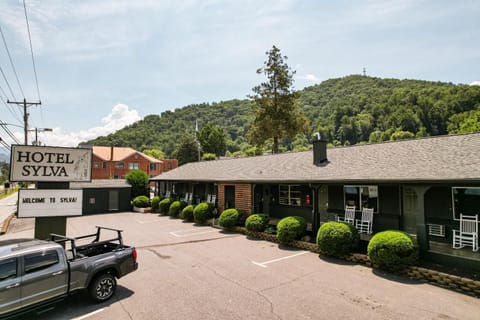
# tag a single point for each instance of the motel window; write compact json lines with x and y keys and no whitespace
{"x":465,"y":201}
{"x":361,"y":197}
{"x":119,"y":165}
{"x":293,"y":195}
{"x":96,"y":165}
{"x":133,"y":166}
{"x":153,"y":166}
{"x":104,"y":164}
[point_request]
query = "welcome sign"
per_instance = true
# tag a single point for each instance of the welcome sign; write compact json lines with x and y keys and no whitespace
{"x":49,"y":203}
{"x":54,"y":164}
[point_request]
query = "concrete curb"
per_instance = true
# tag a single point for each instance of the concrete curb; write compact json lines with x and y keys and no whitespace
{"x":6,"y":224}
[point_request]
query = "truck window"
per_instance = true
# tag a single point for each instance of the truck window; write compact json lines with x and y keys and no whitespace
{"x":40,"y":260}
{"x":8,"y":269}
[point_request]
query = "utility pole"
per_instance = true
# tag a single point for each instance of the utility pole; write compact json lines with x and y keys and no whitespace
{"x":25,"y":114}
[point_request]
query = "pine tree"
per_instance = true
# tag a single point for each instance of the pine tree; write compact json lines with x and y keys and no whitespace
{"x":276,"y":111}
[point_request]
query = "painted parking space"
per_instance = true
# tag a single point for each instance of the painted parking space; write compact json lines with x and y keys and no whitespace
{"x":191,"y":232}
{"x":265,"y":263}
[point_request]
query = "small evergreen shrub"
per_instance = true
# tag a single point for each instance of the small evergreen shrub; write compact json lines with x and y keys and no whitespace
{"x":290,"y":228}
{"x":229,"y":218}
{"x":155,"y":203}
{"x":392,"y":250}
{"x":202,"y":212}
{"x":141,"y":202}
{"x":257,"y":222}
{"x":337,"y":238}
{"x":187,"y":213}
{"x":164,"y":205}
{"x":175,"y":208}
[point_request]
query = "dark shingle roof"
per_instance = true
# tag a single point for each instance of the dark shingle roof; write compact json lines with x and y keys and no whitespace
{"x":436,"y":159}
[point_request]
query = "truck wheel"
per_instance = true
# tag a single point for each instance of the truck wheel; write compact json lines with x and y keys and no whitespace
{"x":102,"y":287}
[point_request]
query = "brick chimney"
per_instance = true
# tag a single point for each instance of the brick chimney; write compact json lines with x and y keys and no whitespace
{"x":319,"y":151}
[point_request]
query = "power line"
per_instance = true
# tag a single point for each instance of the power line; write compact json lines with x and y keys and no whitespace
{"x":8,"y":84}
{"x":12,"y":112}
{"x":9,"y":132}
{"x":11,"y":61}
{"x":31,"y":51}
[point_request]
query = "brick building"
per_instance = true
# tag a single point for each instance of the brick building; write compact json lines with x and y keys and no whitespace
{"x":116,"y":162}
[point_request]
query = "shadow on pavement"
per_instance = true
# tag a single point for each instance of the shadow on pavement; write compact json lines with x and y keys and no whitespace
{"x":74,"y":306}
{"x":394,"y":277}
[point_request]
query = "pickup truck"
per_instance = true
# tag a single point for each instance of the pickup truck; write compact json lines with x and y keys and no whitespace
{"x":37,"y":272}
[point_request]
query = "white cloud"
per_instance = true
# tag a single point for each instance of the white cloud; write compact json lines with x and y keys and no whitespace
{"x":309,"y":77}
{"x":475,"y":83}
{"x":119,"y":117}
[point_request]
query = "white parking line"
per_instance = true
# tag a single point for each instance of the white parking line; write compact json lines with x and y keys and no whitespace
{"x":263,"y":264}
{"x":88,"y":315}
{"x":187,"y":233}
{"x":156,"y":220}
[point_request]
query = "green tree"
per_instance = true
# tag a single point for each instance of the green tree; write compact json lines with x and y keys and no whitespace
{"x":155,"y":153}
{"x":213,"y":139}
{"x":276,"y":111}
{"x":139,"y":181}
{"x":465,"y":122}
{"x":4,"y":172}
{"x":187,"y":150}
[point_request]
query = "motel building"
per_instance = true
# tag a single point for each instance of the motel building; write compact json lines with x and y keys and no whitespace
{"x":423,"y":187}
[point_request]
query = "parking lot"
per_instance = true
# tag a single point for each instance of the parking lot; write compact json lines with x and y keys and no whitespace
{"x":199,"y":272}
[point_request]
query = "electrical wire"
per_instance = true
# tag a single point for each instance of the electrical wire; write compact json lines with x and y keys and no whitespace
{"x":12,"y":111}
{"x":3,"y":125}
{"x":8,"y":84}
{"x":31,"y":50}
{"x":11,"y":61}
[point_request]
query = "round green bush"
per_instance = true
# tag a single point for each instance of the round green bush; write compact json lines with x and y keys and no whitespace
{"x":392,"y":250}
{"x":290,"y":228}
{"x":337,"y":238}
{"x":229,"y":218}
{"x":141,"y":202}
{"x":164,"y":205}
{"x":202,"y":213}
{"x":155,"y":202}
{"x":175,"y":208}
{"x":257,"y":222}
{"x":187,"y":213}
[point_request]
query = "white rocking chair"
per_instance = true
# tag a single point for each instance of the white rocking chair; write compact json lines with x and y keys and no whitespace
{"x":349,"y":215}
{"x":365,"y":224}
{"x":468,"y":233}
{"x":211,"y":198}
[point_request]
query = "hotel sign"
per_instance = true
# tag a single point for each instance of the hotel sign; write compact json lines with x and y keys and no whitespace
{"x":55,"y":164}
{"x":49,"y":203}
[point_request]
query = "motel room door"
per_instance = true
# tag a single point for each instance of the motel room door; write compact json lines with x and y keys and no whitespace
{"x":229,"y":197}
{"x":113,"y":203}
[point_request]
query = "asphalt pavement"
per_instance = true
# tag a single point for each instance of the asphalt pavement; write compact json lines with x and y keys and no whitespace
{"x":8,"y":206}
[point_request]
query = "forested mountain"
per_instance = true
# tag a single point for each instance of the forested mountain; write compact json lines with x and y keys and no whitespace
{"x":350,"y":110}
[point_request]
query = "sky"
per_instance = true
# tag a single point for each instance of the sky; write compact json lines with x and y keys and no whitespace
{"x":102,"y":65}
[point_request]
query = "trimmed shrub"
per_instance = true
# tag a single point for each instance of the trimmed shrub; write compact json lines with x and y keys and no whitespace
{"x":164,"y":205}
{"x":202,"y":212}
{"x":392,"y":250}
{"x":337,"y":238}
{"x":187,"y":213}
{"x":290,"y":228}
{"x":141,"y":202}
{"x":175,"y":208}
{"x":229,"y":218}
{"x":155,"y":203}
{"x":139,"y":181}
{"x":257,"y":222}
